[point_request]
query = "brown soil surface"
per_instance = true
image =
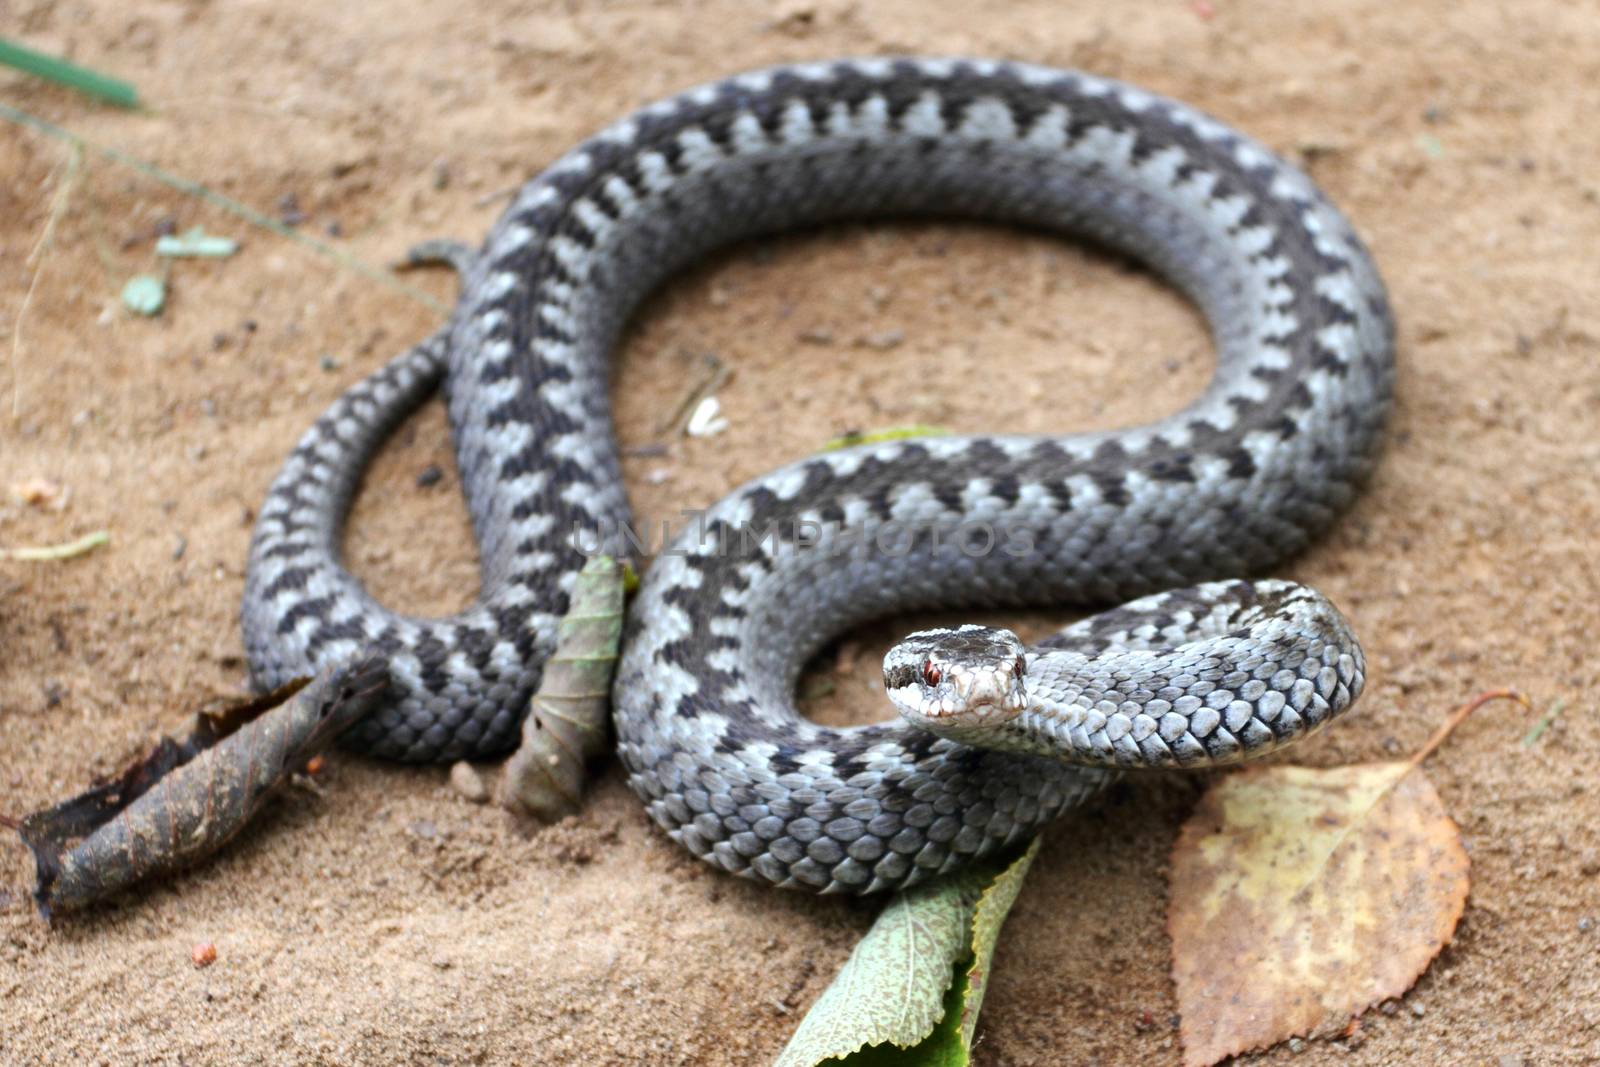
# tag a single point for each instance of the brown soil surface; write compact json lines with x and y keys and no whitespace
{"x":389,"y":920}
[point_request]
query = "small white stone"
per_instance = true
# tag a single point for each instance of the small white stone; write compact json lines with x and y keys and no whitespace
{"x":707,"y":420}
{"x":465,"y":779}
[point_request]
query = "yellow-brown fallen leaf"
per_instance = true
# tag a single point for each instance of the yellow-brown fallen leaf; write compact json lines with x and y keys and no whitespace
{"x":1300,"y":898}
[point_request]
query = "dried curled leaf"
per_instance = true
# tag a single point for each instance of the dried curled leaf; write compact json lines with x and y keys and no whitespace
{"x":184,"y":800}
{"x":567,"y":719}
{"x":911,"y":991}
{"x":1301,"y":897}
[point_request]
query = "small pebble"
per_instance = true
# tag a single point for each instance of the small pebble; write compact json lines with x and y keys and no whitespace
{"x":145,"y":294}
{"x":646,"y":451}
{"x":289,"y":212}
{"x":1296,"y":1045}
{"x":707,"y":420}
{"x":465,"y":779}
{"x":424,"y":829}
{"x":179,"y":546}
{"x":41,"y":492}
{"x":328,"y":363}
{"x":817,"y":335}
{"x":1585,"y":924}
{"x":1419,"y":1010}
{"x":883,"y":341}
{"x":204,"y":954}
{"x":431,"y":475}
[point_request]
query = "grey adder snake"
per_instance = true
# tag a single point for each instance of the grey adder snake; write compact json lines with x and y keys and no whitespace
{"x":725,"y":622}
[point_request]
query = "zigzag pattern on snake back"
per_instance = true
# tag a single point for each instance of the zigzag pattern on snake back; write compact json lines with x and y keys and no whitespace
{"x":723,"y":624}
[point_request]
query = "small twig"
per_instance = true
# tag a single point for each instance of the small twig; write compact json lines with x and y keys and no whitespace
{"x":654,"y":450}
{"x":499,"y":194}
{"x":1456,"y":717}
{"x":98,"y":228}
{"x":58,"y":208}
{"x":49,"y":553}
{"x":1543,"y":724}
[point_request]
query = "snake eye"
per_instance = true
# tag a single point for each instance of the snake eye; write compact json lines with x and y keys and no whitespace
{"x":931,"y":673}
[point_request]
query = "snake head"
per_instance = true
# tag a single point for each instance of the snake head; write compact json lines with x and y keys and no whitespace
{"x":957,"y":683}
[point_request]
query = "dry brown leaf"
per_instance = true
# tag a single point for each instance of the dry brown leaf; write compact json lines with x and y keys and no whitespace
{"x":569,"y":719}
{"x":183,"y":800}
{"x":1302,"y":897}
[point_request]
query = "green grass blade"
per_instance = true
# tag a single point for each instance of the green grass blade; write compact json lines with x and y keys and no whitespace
{"x":71,"y":75}
{"x":232,"y":207}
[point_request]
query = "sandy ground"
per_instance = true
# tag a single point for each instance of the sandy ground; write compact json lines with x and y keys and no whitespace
{"x":389,"y":920}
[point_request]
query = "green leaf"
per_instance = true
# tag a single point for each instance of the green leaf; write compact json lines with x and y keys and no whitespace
{"x":993,"y":907}
{"x":145,"y":294}
{"x":911,"y":990}
{"x":60,"y":71}
{"x":196,"y":242}
{"x":892,"y":433}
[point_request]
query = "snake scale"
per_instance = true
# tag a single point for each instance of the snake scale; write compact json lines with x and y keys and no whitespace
{"x":724,"y":622}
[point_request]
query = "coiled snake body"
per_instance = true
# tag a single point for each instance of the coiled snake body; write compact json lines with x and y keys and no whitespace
{"x":725,"y":622}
